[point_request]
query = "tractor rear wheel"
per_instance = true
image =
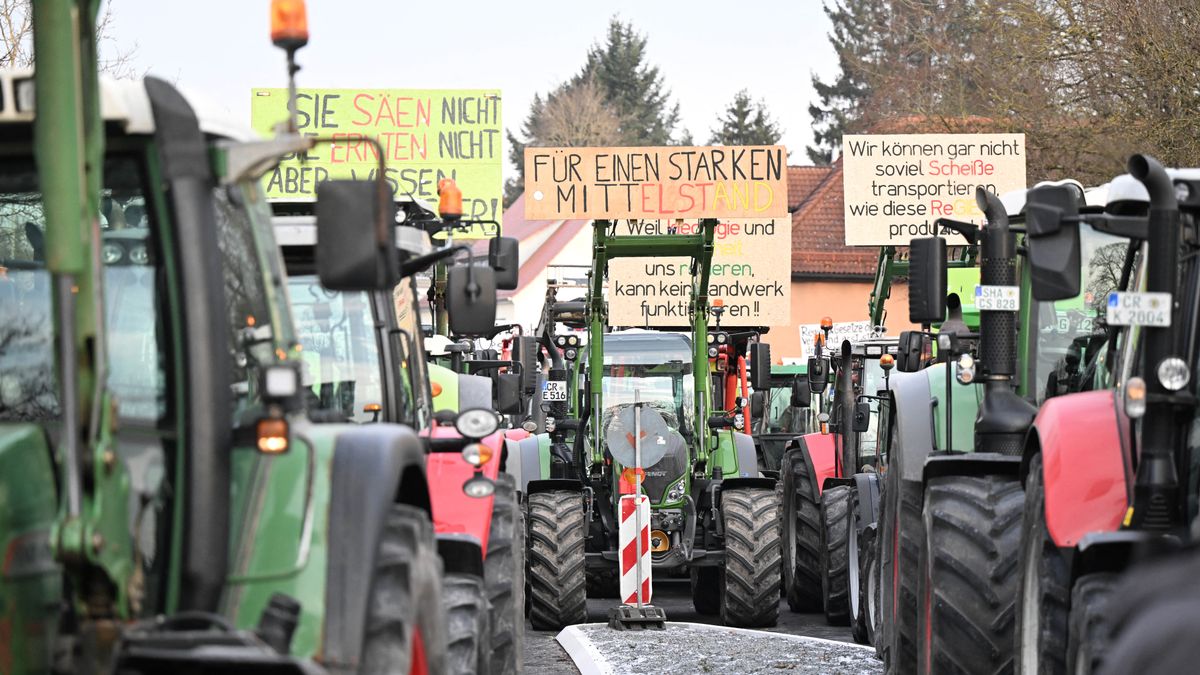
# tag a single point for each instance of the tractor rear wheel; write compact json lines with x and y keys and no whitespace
{"x":504,"y":575}
{"x":557,"y":586}
{"x":835,"y":554}
{"x":1088,"y":624}
{"x":801,"y":534}
{"x":468,"y":648}
{"x":865,"y":589}
{"x":750,"y":582}
{"x":902,"y":538}
{"x":969,"y":583}
{"x":706,"y":590}
{"x":1045,"y":587}
{"x":406,"y":624}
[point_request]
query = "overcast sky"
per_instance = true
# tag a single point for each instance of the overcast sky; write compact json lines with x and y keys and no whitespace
{"x":706,"y":50}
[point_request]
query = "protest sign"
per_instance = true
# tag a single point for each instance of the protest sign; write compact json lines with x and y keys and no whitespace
{"x":751,"y":276}
{"x":729,"y":183}
{"x":426,"y":135}
{"x":897,"y":185}
{"x":854,"y":331}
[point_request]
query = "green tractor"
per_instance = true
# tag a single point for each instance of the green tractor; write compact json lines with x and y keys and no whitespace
{"x":951,"y":501}
{"x":167,"y":503}
{"x":714,"y":517}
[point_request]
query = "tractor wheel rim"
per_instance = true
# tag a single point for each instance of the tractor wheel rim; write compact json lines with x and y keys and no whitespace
{"x":852,"y":571}
{"x":872,"y":590}
{"x":789,"y":535}
{"x":1031,"y":592}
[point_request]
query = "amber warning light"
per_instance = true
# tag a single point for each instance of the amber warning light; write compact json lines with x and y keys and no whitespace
{"x":289,"y":24}
{"x":449,"y":200}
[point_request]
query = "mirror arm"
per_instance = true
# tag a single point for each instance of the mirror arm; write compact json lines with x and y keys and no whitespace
{"x":424,"y":262}
{"x":1131,"y":227}
{"x":970,"y":231}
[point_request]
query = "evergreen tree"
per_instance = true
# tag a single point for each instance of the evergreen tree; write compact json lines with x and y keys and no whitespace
{"x":855,"y":40}
{"x":633,"y":87}
{"x":745,"y":123}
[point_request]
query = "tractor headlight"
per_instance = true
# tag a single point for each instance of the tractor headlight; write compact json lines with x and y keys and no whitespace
{"x":571,"y":354}
{"x":477,"y":454}
{"x":479,"y":487}
{"x":1173,"y":373}
{"x":476,"y":423}
{"x":676,"y":492}
{"x":111,"y":254}
{"x":573,"y":340}
{"x":712,"y":352}
{"x":966,"y":369}
{"x":1135,"y":397}
{"x":551,"y":425}
{"x":138,"y":255}
{"x":711,"y":338}
{"x":722,"y":338}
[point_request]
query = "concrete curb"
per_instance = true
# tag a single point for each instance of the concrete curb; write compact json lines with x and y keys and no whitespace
{"x":587,"y":658}
{"x":590,"y":661}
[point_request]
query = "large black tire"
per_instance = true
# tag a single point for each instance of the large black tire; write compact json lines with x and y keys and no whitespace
{"x":706,"y":590}
{"x":468,"y":648}
{"x":750,"y":581}
{"x":405,"y":621}
{"x":969,"y":589}
{"x":1089,"y":628}
{"x":557,"y":587}
{"x":504,"y":575}
{"x":1042,"y":605}
{"x":801,"y":520}
{"x":899,"y":548}
{"x":863,"y":607}
{"x":835,"y":555}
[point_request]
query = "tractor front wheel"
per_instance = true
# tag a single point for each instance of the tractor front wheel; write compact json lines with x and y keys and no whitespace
{"x":750,"y":588}
{"x":706,"y":590}
{"x":557,"y":585}
{"x":835,"y":555}
{"x":468,"y":648}
{"x":1088,"y":623}
{"x":1045,"y":587}
{"x":406,"y":624}
{"x":504,"y":575}
{"x":864,"y":586}
{"x":801,"y":520}
{"x":969,"y":586}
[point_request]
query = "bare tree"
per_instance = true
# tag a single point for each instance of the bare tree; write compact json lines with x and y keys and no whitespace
{"x":16,"y":40}
{"x":578,"y":116}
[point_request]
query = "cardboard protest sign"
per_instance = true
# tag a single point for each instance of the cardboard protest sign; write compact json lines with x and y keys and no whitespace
{"x":854,"y":331}
{"x":897,"y":185}
{"x":751,"y":275}
{"x":729,"y":183}
{"x":426,"y":135}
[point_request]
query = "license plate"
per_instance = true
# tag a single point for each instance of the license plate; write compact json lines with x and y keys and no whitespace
{"x":997,"y":298}
{"x":555,"y":390}
{"x":1139,"y":309}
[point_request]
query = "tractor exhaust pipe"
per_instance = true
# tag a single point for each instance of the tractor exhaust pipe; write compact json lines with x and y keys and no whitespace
{"x":1004,"y":417}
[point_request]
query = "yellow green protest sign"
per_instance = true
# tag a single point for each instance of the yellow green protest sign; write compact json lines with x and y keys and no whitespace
{"x":425,"y":135}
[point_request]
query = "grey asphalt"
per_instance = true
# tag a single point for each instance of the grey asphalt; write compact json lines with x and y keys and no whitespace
{"x":543,"y":656}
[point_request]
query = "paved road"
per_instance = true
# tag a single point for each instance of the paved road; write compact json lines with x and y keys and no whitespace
{"x":543,"y":656}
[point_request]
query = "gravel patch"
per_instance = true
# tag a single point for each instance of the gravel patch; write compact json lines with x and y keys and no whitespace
{"x":695,"y":648}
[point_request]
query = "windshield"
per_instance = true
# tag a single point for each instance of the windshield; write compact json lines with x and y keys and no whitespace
{"x":1064,"y":325}
{"x":782,"y":417}
{"x":668,"y":388}
{"x":873,"y":374}
{"x":28,"y":387}
{"x":341,"y":370}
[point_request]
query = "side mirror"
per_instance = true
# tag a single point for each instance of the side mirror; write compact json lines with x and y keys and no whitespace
{"x":524,"y":350}
{"x":818,"y":374}
{"x":801,"y":393}
{"x":912,"y":344}
{"x":1054,"y":257}
{"x":505,"y":258}
{"x":471,"y":299}
{"x":927,"y":280}
{"x":508,"y":394}
{"x":758,"y":401}
{"x":862,"y":417}
{"x":356,"y":237}
{"x":760,"y":366}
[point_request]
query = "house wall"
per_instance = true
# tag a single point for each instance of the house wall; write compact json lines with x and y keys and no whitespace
{"x":842,"y":301}
{"x":527,"y":303}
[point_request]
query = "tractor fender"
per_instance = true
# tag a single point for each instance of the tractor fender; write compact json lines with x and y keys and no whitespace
{"x":374,"y":466}
{"x":747,"y":456}
{"x":474,"y":391}
{"x":528,"y":460}
{"x":912,"y":415}
{"x":1117,"y":551}
{"x":1085,"y":464}
{"x":460,"y":554}
{"x":749,"y":483}
{"x":866,"y":487}
{"x":551,"y":484}
{"x":820,"y":453}
{"x":970,"y":464}
{"x":454,"y":512}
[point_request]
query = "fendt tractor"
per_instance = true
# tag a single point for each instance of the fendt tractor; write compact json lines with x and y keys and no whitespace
{"x":364,"y":361}
{"x":167,"y":505}
{"x":1110,"y":474}
{"x":713,"y":515}
{"x":951,"y":500}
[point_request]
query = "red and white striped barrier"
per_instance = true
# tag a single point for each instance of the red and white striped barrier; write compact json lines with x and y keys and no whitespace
{"x":627,"y":544}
